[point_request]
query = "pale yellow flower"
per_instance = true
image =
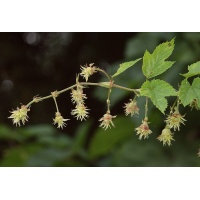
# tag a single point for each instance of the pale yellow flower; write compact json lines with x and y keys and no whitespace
{"x":80,"y":112}
{"x":166,"y":136}
{"x":78,"y":96}
{"x":143,"y":130}
{"x":131,"y":108}
{"x":174,"y":120}
{"x":88,"y":70}
{"x":59,"y":120}
{"x":19,"y":115}
{"x":107,"y":121}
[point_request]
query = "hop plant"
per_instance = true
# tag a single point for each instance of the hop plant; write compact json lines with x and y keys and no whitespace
{"x":153,"y":89}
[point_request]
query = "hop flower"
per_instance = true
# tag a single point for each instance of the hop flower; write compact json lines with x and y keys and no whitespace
{"x":80,"y":111}
{"x":131,"y":108}
{"x":143,"y":130}
{"x":88,"y":70}
{"x":78,"y":96}
{"x":107,"y":121}
{"x":175,"y":120}
{"x":166,"y":136}
{"x":59,"y":120}
{"x":19,"y":115}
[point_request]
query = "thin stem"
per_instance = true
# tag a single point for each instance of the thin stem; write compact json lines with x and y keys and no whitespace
{"x":176,"y":101}
{"x":108,"y":100}
{"x":35,"y":100}
{"x":136,"y":91}
{"x":146,"y":108}
{"x":107,"y":75}
{"x":56,"y":104}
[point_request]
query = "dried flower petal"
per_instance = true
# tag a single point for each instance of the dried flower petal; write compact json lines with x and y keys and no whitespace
{"x":143,"y":130}
{"x":19,"y":115}
{"x":166,"y":136}
{"x":59,"y":120}
{"x":107,"y":121}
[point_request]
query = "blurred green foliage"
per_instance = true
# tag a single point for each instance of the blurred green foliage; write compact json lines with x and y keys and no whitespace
{"x":85,"y":144}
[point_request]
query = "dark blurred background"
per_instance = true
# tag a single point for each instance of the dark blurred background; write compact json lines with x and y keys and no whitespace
{"x":39,"y":63}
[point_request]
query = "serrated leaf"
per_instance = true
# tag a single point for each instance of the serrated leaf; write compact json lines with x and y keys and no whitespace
{"x":125,"y":66}
{"x":196,"y":89}
{"x":157,"y":90}
{"x":154,"y":64}
{"x":190,"y":92}
{"x":193,"y":70}
{"x":186,"y":93}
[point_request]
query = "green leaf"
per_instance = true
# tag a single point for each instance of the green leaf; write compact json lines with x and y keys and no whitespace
{"x":196,"y":89}
{"x":125,"y":66}
{"x":155,"y":64}
{"x":190,"y":92}
{"x":157,"y":90}
{"x":193,"y":70}
{"x":186,"y":93}
{"x":104,"y":142}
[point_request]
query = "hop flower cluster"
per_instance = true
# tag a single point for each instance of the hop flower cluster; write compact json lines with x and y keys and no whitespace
{"x":78,"y":97}
{"x":174,"y":120}
{"x":19,"y":115}
{"x":88,"y":70}
{"x":166,"y":136}
{"x":131,"y":108}
{"x":143,"y":130}
{"x":59,"y":120}
{"x":106,"y":121}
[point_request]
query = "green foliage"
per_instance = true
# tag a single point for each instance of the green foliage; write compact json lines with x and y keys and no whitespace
{"x":157,"y":90}
{"x":104,"y":142}
{"x":154,"y":64}
{"x":193,"y":70}
{"x":189,"y":92}
{"x":125,"y":66}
